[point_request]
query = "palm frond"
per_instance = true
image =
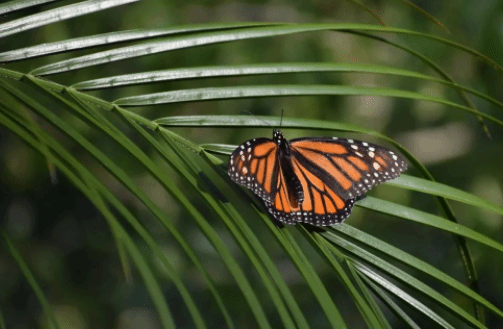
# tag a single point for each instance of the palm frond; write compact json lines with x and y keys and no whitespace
{"x":205,"y":250}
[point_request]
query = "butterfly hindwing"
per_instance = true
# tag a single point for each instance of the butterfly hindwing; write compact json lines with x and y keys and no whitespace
{"x":321,"y":205}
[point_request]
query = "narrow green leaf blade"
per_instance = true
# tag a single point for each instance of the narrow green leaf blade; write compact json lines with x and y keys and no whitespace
{"x":406,"y":278}
{"x":12,"y":6}
{"x":48,"y":311}
{"x":422,"y":217}
{"x":414,"y":262}
{"x":57,"y":15}
{"x":439,"y":189}
{"x":369,"y":274}
{"x":111,"y":39}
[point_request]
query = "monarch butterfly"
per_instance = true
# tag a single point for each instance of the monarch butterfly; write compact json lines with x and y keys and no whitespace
{"x":311,"y":180}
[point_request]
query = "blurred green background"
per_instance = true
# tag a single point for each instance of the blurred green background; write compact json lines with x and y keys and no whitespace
{"x":68,"y":245}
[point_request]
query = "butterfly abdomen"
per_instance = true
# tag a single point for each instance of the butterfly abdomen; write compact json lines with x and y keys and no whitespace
{"x":294,"y":188}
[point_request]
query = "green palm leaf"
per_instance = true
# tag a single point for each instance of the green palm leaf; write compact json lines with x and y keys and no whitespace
{"x":205,"y":251}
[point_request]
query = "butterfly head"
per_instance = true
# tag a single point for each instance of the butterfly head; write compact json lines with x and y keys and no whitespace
{"x":282,"y":143}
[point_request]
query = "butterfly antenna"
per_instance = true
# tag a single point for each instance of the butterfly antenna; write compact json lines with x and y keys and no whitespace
{"x":253,"y":115}
{"x":281,"y":118}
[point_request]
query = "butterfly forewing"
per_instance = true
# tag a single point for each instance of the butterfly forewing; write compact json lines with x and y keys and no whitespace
{"x":254,"y":165}
{"x":348,"y":166}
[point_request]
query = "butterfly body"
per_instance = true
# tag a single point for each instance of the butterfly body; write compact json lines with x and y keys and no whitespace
{"x":292,"y":182}
{"x":311,"y":180}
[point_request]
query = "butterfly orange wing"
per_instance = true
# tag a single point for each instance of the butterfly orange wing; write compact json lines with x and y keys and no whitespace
{"x":349,"y":166}
{"x":254,"y":164}
{"x":321,"y":206}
